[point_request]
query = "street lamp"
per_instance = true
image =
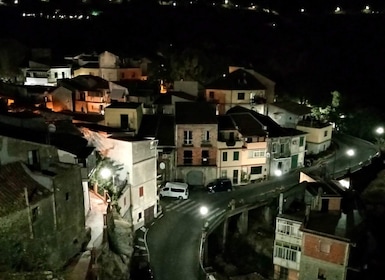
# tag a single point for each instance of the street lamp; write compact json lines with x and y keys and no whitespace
{"x":379,"y":132}
{"x":106,"y":173}
{"x":204,"y":210}
{"x":350,"y":154}
{"x":278,"y":172}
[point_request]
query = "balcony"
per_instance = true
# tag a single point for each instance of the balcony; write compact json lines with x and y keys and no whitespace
{"x":201,"y":161}
{"x":206,"y":143}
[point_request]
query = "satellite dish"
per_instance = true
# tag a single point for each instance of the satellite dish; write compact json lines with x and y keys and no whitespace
{"x":51,"y":128}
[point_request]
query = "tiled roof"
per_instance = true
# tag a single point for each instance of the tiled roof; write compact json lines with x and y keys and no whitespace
{"x":274,"y":129}
{"x":195,"y":113}
{"x":248,"y":125}
{"x":160,"y":127}
{"x":237,"y":80}
{"x":14,"y":181}
{"x":293,"y":107}
{"x":85,"y":82}
{"x":127,"y":105}
{"x":139,"y":87}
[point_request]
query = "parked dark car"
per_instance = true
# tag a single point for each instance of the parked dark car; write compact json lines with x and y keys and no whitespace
{"x":220,"y":185}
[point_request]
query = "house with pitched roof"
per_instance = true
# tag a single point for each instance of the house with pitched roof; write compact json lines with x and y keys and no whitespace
{"x":242,"y":148}
{"x":110,"y":66}
{"x":42,"y":207}
{"x":196,"y":132}
{"x":288,"y":113}
{"x":85,"y":94}
{"x":285,"y":146}
{"x":241,"y":87}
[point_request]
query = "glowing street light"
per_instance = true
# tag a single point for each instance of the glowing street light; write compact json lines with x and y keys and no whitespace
{"x":350,"y":154}
{"x":379,"y":132}
{"x":278,"y":172}
{"x":203,"y":210}
{"x":106,"y":173}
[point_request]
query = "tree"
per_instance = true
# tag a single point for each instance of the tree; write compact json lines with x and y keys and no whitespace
{"x":111,"y":184}
{"x":330,"y":112}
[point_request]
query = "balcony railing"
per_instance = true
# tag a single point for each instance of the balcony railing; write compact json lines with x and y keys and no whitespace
{"x":202,"y":161}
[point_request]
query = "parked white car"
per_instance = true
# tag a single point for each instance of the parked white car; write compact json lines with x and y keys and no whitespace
{"x":175,"y":189}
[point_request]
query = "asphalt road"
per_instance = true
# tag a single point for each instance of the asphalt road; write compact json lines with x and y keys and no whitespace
{"x":174,"y":239}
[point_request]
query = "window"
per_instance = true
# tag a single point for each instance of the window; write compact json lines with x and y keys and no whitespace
{"x":256,"y":170}
{"x":321,"y":274}
{"x":283,"y":272}
{"x":211,"y":95}
{"x":177,"y":190}
{"x":187,"y":157}
{"x":125,"y":201}
{"x":187,"y":137}
{"x":325,"y":133}
{"x":223,"y":173}
{"x":56,"y":75}
{"x":256,"y":153}
{"x":141,"y":191}
{"x":67,"y":195}
{"x":206,"y":136}
{"x":324,"y":247}
{"x":139,"y":216}
{"x":301,"y":141}
{"x":224,"y":156}
{"x":205,"y":157}
{"x":35,"y":213}
{"x":241,"y":96}
{"x":63,"y":75}
{"x":236,"y":156}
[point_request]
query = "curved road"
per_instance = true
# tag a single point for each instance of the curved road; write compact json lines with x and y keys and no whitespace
{"x":174,"y":239}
